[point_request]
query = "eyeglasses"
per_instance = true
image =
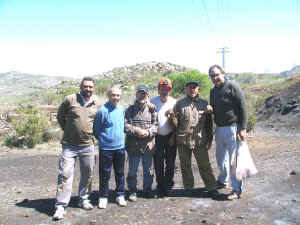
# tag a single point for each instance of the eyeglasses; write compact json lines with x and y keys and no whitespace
{"x":142,"y":92}
{"x":214,"y":75}
{"x":88,"y":86}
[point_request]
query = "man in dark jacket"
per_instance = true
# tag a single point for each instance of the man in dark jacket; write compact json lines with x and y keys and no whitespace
{"x":230,"y":115}
{"x":141,"y":129}
{"x":76,"y":116}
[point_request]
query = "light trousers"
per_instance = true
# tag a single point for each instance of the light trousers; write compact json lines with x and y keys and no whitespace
{"x":67,"y":162}
{"x":226,"y":152}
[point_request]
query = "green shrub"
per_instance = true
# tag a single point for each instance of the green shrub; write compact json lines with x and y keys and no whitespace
{"x":251,"y":122}
{"x":102,"y":86}
{"x":13,"y":141}
{"x":29,"y":128}
{"x":179,"y":81}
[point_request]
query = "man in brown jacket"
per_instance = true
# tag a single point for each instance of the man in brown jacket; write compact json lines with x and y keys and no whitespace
{"x":141,"y":129}
{"x":194,"y":135}
{"x":76,"y":116}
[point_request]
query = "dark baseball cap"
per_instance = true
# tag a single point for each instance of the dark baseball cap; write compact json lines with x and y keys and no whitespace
{"x":142,"y":87}
{"x":192,"y":82}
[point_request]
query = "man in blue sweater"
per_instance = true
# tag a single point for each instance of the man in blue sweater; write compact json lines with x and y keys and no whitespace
{"x":109,"y":130}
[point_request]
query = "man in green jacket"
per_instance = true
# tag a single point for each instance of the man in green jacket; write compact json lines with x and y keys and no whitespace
{"x":76,"y":116}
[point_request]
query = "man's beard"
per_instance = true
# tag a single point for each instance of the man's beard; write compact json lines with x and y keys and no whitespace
{"x":86,"y":94}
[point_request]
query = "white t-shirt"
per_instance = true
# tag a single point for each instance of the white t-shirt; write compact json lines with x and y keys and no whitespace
{"x":164,"y":128}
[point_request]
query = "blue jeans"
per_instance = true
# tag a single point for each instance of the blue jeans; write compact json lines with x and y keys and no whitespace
{"x":134,"y":161}
{"x":107,"y":159}
{"x":226,"y":149}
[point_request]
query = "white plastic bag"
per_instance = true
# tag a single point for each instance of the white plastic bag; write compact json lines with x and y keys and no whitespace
{"x":245,"y":166}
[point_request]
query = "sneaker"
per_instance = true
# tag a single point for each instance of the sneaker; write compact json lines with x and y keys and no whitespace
{"x":102,"y":203}
{"x":234,"y":196}
{"x":59,"y":213}
{"x":85,"y":204}
{"x":221,"y":185}
{"x":121,"y":201}
{"x":132,"y":197}
{"x":214,"y":194}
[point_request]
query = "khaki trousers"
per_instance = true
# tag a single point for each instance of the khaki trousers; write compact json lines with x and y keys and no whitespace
{"x":205,"y":170}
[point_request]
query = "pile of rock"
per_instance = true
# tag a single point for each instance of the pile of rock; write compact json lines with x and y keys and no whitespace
{"x":135,"y":71}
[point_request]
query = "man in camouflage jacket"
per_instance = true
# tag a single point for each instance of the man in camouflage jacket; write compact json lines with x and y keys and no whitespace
{"x":194,"y":135}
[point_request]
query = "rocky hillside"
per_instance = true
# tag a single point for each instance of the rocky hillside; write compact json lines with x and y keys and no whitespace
{"x":17,"y":83}
{"x":282,"y":108}
{"x":291,"y":73}
{"x":134,"y":72}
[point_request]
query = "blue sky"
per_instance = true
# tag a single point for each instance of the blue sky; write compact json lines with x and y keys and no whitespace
{"x":76,"y":38}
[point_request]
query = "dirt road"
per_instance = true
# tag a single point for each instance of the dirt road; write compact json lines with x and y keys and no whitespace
{"x":28,"y":184}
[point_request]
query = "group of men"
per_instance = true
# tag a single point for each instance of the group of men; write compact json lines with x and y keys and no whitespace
{"x":149,"y":130}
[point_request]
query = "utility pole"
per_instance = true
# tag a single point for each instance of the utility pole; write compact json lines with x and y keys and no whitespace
{"x":223,"y":51}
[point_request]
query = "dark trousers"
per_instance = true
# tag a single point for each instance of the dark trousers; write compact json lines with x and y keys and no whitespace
{"x":107,"y":159}
{"x":164,"y":162}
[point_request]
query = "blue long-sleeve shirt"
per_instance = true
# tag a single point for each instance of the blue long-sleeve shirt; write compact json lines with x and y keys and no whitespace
{"x":109,"y":127}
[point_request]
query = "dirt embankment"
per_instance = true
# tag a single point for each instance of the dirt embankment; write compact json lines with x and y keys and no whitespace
{"x":28,"y":184}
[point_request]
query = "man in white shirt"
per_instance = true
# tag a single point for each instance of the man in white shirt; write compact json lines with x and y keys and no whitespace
{"x":165,"y":154}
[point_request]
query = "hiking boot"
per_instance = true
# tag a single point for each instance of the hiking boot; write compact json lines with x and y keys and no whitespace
{"x":234,"y":196}
{"x":59,"y":213}
{"x":121,"y":201}
{"x":85,"y":204}
{"x":102,"y":203}
{"x":220,"y":185}
{"x":132,"y":197}
{"x":214,"y":194}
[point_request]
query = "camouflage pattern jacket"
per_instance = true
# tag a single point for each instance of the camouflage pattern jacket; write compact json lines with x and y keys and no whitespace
{"x":194,"y":128}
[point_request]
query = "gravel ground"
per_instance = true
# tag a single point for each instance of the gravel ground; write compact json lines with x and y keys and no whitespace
{"x":28,"y":185}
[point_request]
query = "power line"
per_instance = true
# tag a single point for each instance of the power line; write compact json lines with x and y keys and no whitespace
{"x":223,"y":50}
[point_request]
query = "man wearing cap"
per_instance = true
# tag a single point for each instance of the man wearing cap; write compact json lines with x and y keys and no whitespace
{"x":194,"y":135}
{"x":230,"y":115}
{"x":165,"y":154}
{"x":140,"y":129}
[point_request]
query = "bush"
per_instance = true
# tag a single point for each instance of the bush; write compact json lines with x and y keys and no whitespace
{"x":179,"y":81}
{"x":251,"y":122}
{"x":102,"y":86}
{"x":29,"y":128}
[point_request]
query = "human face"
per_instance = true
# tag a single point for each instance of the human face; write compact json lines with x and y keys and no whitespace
{"x":192,"y":90}
{"x":87,"y":88}
{"x":217,"y":77}
{"x":163,"y":90}
{"x":141,"y":97}
{"x":114,"y":96}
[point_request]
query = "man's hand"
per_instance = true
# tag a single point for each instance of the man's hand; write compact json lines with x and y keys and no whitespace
{"x":209,"y":109}
{"x":151,"y":106}
{"x":242,"y":134}
{"x":171,"y":117}
{"x":209,"y":144}
{"x":143,"y":133}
